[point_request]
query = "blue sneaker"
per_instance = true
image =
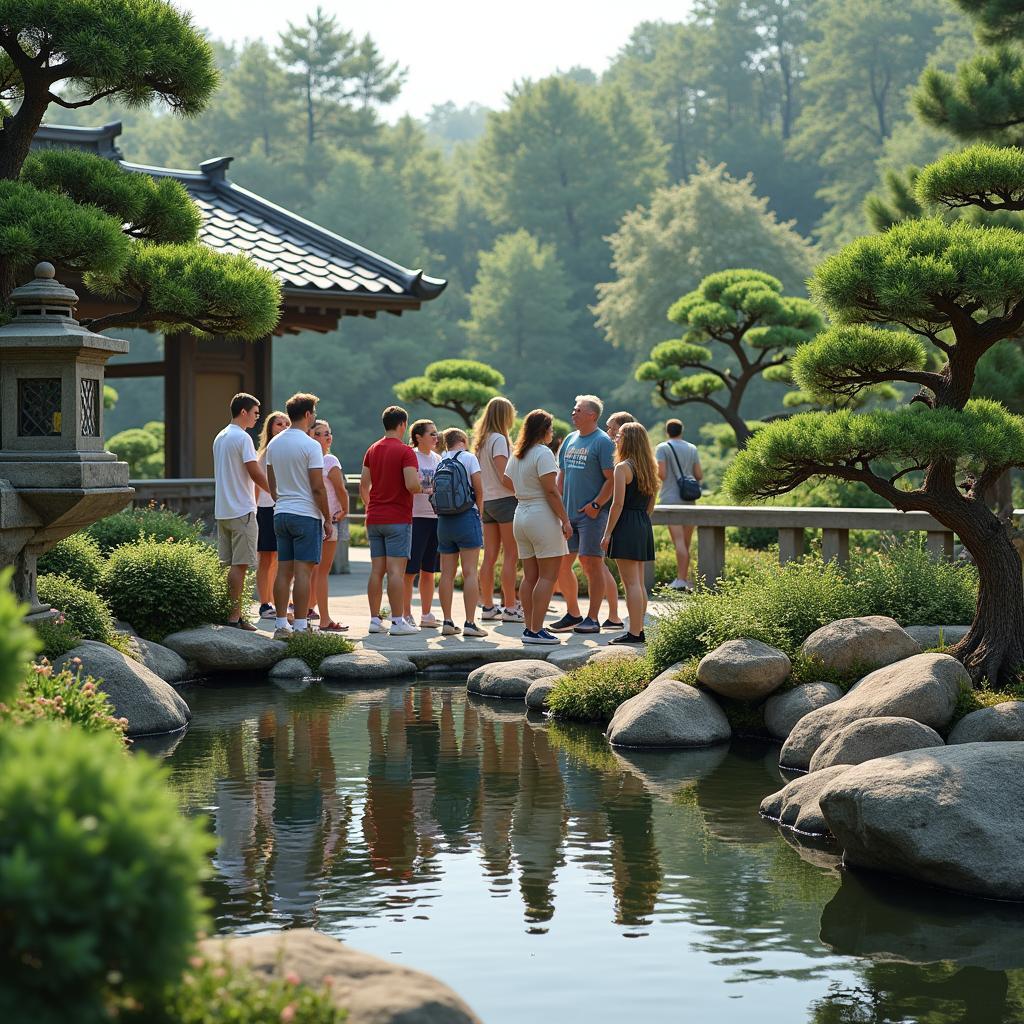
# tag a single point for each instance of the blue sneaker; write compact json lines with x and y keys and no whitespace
{"x":549,"y":636}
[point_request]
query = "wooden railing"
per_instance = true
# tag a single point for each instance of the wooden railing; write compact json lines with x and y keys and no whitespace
{"x":835,"y":525}
{"x":194,"y":498}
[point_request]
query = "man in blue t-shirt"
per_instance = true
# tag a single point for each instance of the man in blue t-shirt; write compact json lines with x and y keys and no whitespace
{"x":585,"y":463}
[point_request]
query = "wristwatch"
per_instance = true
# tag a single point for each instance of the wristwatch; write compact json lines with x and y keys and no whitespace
{"x":594,"y":505}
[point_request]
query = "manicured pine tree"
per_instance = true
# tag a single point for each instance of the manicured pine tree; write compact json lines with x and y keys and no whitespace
{"x":744,"y":312}
{"x":960,"y":287}
{"x":461,"y":386}
{"x":133,"y":238}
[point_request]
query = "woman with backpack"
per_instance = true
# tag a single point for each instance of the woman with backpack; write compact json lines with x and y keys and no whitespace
{"x":492,"y":447}
{"x":541,"y":525}
{"x":458,"y":498}
{"x":629,"y":536}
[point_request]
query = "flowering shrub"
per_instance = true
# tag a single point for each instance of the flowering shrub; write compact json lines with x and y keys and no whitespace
{"x":63,"y":697}
{"x":99,"y":878}
{"x":57,"y":636}
{"x":212,"y":992}
{"x":83,"y":609}
{"x":133,"y":524}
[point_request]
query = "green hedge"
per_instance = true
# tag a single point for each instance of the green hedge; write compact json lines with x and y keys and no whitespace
{"x":83,"y":610}
{"x":133,"y":524}
{"x":312,"y":646}
{"x":783,"y":605}
{"x":77,"y":557}
{"x":161,"y":587}
{"x":99,"y":877}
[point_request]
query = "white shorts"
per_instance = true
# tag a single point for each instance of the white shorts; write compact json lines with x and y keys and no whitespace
{"x":538,"y":532}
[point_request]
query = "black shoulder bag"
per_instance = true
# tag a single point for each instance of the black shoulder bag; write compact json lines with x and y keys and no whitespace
{"x":689,"y":486}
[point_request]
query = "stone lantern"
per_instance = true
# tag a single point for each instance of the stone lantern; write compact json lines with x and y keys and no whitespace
{"x":55,"y":477}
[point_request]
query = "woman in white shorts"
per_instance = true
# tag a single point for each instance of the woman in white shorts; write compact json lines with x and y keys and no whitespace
{"x":540,"y":524}
{"x":337,"y":501}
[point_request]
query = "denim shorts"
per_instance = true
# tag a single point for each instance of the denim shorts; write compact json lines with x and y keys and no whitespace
{"x":299,"y":538}
{"x":587,"y":534}
{"x":462,"y":532}
{"x":389,"y":540}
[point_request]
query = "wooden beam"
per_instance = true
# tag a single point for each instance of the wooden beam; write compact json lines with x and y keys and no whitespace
{"x":122,"y":370}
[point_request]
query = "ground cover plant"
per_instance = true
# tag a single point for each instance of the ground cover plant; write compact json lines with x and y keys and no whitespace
{"x":593,"y":692}
{"x":153,"y":521}
{"x":783,"y":604}
{"x":312,"y":646}
{"x":161,"y":587}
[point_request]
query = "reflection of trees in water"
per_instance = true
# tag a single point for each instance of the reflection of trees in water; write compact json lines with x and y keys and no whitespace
{"x":892,"y":993}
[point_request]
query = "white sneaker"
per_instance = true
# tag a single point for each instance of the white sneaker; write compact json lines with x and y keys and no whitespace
{"x":376,"y":626}
{"x":402,"y":627}
{"x":450,"y":629}
{"x":490,"y":613}
{"x":282,"y":633}
{"x":678,"y":584}
{"x":429,"y":621}
{"x":513,"y":614}
{"x":472,"y":629}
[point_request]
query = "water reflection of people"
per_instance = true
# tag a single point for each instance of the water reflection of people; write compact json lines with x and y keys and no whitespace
{"x":499,"y":788}
{"x":635,"y":865}
{"x":538,"y":826}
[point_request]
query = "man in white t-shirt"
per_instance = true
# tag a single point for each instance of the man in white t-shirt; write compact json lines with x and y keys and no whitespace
{"x":235,"y":471}
{"x":302,"y":516}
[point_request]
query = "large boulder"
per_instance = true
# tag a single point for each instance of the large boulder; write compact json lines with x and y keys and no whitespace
{"x":151,"y":705}
{"x":372,"y":990}
{"x":668,"y":714}
{"x":795,"y":806}
{"x":783,"y":710}
{"x":290,"y":668}
{"x":169,"y":666}
{"x":509,"y":680}
{"x":364,"y":664}
{"x":949,"y":816}
{"x":924,"y":687}
{"x":868,"y":738}
{"x":1000,"y":722}
{"x":537,"y":694}
{"x":744,"y":669}
{"x":860,"y":644}
{"x":226,"y":649}
{"x":936,"y":636}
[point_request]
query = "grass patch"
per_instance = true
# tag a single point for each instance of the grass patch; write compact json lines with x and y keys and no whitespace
{"x":312,"y":647}
{"x":593,"y":692}
{"x":975,"y":698}
{"x":783,"y":605}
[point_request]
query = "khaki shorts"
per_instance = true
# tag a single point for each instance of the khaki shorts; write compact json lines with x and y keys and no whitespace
{"x":538,"y":532}
{"x":236,"y":540}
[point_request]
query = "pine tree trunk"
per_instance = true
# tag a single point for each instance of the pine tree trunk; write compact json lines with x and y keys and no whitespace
{"x":993,"y":650}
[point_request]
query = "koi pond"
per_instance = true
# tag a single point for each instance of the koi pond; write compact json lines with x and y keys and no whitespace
{"x":545,"y":877}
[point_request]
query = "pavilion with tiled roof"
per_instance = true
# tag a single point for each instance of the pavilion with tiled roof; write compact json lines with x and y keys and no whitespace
{"x":323,"y":278}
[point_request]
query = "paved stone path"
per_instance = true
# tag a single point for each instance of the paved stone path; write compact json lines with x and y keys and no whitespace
{"x":348,"y":605}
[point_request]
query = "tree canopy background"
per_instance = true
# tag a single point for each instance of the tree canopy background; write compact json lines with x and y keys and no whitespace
{"x":746,"y":135}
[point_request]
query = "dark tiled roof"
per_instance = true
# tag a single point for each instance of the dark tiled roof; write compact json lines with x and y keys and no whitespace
{"x":312,"y":263}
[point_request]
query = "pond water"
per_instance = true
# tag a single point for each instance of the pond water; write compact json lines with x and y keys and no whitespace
{"x":545,"y":877}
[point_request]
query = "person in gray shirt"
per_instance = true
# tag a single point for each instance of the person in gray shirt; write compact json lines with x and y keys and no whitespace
{"x":676,"y":458}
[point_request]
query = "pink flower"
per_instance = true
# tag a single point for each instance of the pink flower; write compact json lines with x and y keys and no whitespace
{"x":292,"y":978}
{"x":288,"y":1013}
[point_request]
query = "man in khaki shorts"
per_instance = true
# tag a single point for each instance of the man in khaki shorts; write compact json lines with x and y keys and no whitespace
{"x":235,"y":471}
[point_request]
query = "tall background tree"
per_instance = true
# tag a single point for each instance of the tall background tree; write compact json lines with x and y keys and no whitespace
{"x":960,"y":288}
{"x":461,"y":386}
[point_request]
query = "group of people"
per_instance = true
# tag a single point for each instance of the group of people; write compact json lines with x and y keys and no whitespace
{"x":436,"y":504}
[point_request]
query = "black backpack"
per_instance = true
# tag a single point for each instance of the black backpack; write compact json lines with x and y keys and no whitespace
{"x":452,"y":490}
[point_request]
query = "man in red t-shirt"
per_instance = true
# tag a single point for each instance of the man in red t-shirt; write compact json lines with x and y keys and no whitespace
{"x":389,"y":480}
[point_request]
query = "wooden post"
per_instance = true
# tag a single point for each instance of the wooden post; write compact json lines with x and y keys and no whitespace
{"x":791,"y":544}
{"x":711,"y":555}
{"x":835,"y":545}
{"x":940,"y":543}
{"x":649,"y":578}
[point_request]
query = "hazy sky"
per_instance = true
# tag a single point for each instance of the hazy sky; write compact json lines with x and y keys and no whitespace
{"x":459,"y":50}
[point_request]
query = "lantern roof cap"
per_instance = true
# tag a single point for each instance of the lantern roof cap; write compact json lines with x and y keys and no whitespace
{"x":44,"y":297}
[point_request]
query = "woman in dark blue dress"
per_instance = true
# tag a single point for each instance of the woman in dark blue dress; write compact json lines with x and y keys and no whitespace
{"x":629,"y":536}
